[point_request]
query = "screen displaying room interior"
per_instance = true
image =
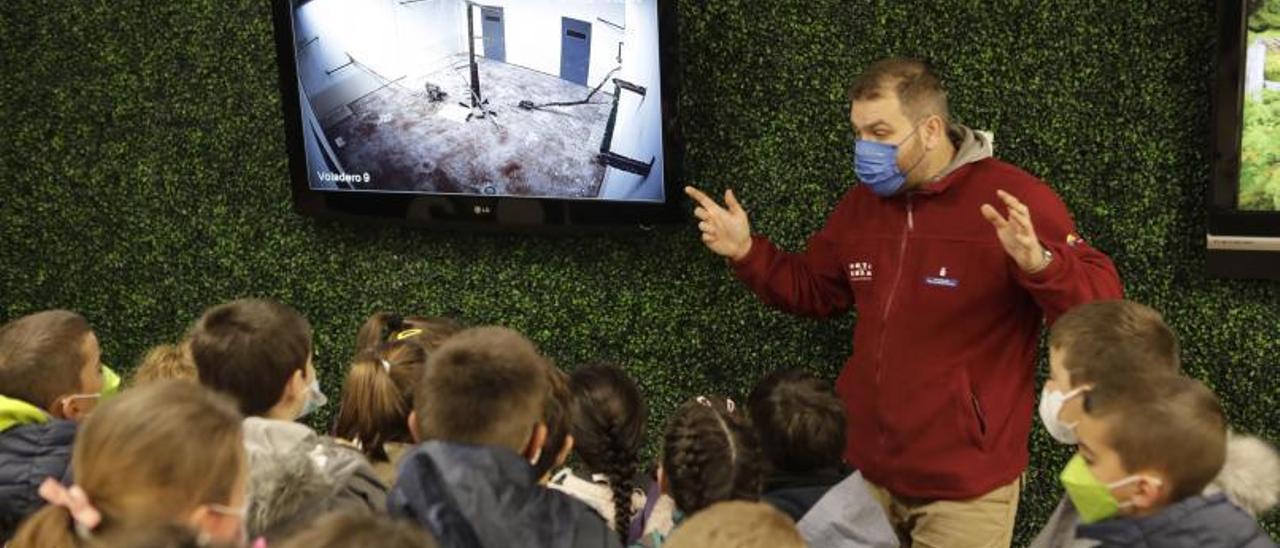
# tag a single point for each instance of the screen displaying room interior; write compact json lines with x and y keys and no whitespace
{"x":536,"y":98}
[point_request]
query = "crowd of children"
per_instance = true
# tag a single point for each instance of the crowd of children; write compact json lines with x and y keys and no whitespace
{"x":462,"y":437}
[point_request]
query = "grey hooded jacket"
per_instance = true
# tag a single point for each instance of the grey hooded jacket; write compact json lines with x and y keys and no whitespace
{"x":296,"y":474}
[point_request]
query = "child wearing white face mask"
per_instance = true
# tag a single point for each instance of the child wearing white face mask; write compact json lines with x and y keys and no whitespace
{"x":259,"y":352}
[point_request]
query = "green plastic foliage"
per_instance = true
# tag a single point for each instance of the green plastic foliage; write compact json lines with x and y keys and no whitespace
{"x":145,"y":179}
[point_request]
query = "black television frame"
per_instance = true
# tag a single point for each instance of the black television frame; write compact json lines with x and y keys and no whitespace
{"x":483,"y":212}
{"x":1241,"y":244}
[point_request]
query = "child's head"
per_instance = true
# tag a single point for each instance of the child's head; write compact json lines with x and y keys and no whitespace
{"x":737,"y":524}
{"x":484,"y":386}
{"x":51,"y":360}
{"x":557,"y":415}
{"x":710,"y":454}
{"x":1102,"y":342}
{"x":1102,"y":338}
{"x":377,"y":397}
{"x":1145,"y":447}
{"x":608,"y":430}
{"x":166,"y":361}
{"x":343,"y":529}
{"x":800,"y":420}
{"x":169,"y":452}
{"x":385,"y":327}
{"x":257,"y":351}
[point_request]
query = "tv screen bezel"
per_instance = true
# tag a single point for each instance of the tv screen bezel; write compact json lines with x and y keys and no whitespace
{"x":1227,"y":120}
{"x":481,"y":211}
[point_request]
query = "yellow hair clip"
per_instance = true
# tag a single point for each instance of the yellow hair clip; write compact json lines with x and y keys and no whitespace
{"x":406,"y":334}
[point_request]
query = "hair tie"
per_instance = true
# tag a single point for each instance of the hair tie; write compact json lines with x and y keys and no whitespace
{"x":386,"y":365}
{"x":74,"y":499}
{"x":728,"y":403}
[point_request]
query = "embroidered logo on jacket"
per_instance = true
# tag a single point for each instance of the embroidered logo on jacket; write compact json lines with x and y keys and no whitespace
{"x":860,"y":271}
{"x":941,"y":280}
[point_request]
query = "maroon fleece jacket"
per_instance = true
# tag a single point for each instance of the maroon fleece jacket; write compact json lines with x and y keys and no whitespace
{"x":939,"y":389}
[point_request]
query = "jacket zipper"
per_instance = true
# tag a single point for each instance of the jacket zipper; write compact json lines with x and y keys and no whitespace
{"x":888,"y":307}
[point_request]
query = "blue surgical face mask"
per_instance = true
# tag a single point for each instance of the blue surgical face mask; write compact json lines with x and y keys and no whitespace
{"x":315,"y":398}
{"x":876,"y":165}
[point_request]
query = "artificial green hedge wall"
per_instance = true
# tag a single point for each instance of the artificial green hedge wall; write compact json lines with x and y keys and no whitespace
{"x":144,"y":179}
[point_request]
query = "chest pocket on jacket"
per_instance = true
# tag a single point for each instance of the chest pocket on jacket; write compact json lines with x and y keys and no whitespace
{"x":952,"y":277}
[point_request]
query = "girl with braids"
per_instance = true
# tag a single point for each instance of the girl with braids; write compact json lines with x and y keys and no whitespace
{"x":607,"y":429}
{"x":377,"y":397}
{"x":384,"y":327}
{"x":710,"y":454}
{"x":171,"y":452}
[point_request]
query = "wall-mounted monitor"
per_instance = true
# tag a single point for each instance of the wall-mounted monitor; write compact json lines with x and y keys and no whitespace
{"x":1244,"y":199}
{"x":481,"y":113}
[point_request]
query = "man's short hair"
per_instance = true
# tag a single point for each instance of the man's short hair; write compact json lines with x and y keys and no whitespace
{"x":1170,"y":423}
{"x":42,"y":356}
{"x":249,"y":349}
{"x":737,"y":524}
{"x":919,"y":90}
{"x":483,"y":386}
{"x":1114,"y":339}
{"x":800,"y":419}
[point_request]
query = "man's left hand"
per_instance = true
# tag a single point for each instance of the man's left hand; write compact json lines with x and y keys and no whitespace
{"x":1017,"y":234}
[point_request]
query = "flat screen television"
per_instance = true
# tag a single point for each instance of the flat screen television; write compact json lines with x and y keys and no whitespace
{"x":494,"y":113}
{"x":1244,"y":197}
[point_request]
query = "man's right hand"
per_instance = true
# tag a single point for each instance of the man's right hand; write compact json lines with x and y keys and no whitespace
{"x":725,"y":230}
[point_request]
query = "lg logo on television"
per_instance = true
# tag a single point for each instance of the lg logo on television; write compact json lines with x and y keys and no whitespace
{"x":483,"y":210}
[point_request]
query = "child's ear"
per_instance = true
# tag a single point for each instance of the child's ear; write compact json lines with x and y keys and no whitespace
{"x":537,"y":440}
{"x":413,"y":427}
{"x":1150,"y":491}
{"x":564,"y":451}
{"x":61,"y":408}
{"x":298,"y":385}
{"x":73,"y":409}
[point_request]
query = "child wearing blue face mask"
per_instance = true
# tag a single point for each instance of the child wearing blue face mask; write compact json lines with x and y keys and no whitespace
{"x":51,"y":377}
{"x":259,"y":352}
{"x":1145,"y":455}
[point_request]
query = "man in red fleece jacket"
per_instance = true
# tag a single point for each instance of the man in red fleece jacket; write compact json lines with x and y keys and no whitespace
{"x":951,"y":293}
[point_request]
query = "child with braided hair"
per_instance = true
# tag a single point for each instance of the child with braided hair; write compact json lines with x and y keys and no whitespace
{"x":607,"y":428}
{"x":710,"y":454}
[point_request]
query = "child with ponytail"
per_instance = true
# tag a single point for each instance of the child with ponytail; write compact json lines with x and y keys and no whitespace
{"x":168,"y":453}
{"x":377,"y":397}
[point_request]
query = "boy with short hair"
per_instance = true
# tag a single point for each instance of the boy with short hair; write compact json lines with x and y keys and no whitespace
{"x":1098,"y":343}
{"x":1145,"y":454}
{"x":802,"y":431}
{"x":51,"y":376}
{"x":259,"y":352}
{"x":477,"y":413}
